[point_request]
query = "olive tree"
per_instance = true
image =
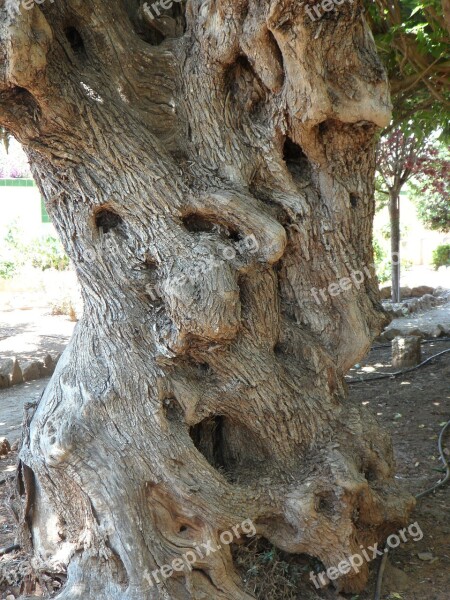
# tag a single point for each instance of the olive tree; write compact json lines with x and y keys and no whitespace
{"x":209,"y":170}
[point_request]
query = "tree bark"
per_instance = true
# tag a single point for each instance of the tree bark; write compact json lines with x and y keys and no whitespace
{"x":394,"y":212}
{"x":208,"y":187}
{"x":446,"y":13}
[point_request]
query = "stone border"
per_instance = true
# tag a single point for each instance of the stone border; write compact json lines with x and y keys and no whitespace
{"x":12,"y":373}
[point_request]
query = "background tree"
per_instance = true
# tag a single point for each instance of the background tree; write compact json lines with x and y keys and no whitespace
{"x":431,"y":189}
{"x":401,"y":156}
{"x":412,"y":39}
{"x":205,"y":170}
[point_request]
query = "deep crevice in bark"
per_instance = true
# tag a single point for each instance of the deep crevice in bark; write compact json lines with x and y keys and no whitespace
{"x":228,"y":446}
{"x":247,"y":92}
{"x":354,"y":199}
{"x":106,"y":219}
{"x":296,"y":160}
{"x":75,"y":40}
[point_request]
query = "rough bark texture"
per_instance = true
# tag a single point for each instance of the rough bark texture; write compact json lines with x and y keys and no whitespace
{"x":205,"y":170}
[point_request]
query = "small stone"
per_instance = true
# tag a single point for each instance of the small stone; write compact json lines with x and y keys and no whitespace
{"x":10,"y":597}
{"x":31,"y":370}
{"x":16,"y":374}
{"x":406,"y":351}
{"x":4,"y":382}
{"x":10,"y":372}
{"x":390,"y":334}
{"x":5,"y":447}
{"x":405,"y":292}
{"x":421,"y":290}
{"x":417,"y":332}
{"x":46,"y":369}
{"x":426,"y":302}
{"x":425,"y":556}
{"x":413,"y":305}
{"x":385,"y":293}
{"x":437,"y":331}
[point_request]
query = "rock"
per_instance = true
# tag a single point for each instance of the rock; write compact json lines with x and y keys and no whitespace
{"x":5,"y":447}
{"x":4,"y":382}
{"x":56,"y":359}
{"x":426,"y":302}
{"x":385,"y":293}
{"x":47,"y":367}
{"x":16,"y":375}
{"x":15,"y":445}
{"x":406,"y":351}
{"x":10,"y":372}
{"x":405,"y":292}
{"x":10,"y":369}
{"x":10,"y":597}
{"x":413,"y":305}
{"x":425,"y":556}
{"x":437,"y":331}
{"x":443,"y":293}
{"x":31,"y":370}
{"x":390,"y":334}
{"x":417,"y":332}
{"x":421,"y":290}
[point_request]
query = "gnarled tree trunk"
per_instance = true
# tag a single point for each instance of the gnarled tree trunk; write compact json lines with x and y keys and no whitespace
{"x":210,"y":174}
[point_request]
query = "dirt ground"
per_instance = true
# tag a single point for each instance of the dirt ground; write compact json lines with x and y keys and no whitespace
{"x":32,"y":333}
{"x":413,"y":407}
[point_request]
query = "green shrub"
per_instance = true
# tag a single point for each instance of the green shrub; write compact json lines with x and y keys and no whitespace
{"x":47,"y":253}
{"x":441,"y":256}
{"x":43,"y":253}
{"x":382,"y":265}
{"x":7,"y":269}
{"x":382,"y":259}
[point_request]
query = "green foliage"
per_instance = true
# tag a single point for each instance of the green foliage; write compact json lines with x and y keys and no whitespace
{"x":381,"y":194}
{"x":434,"y":211}
{"x":382,"y":260}
{"x":7,"y":268}
{"x":441,"y":256}
{"x":47,"y":253}
{"x":412,"y":41}
{"x":431,"y":192}
{"x":11,"y":253}
{"x":42,"y":253}
{"x":382,"y":263}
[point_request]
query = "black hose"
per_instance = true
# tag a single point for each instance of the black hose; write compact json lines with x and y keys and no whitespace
{"x":397,"y":373}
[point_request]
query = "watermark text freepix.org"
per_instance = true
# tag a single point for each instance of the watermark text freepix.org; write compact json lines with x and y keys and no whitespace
{"x":155,"y":9}
{"x":355,"y":278}
{"x":189,"y":558}
{"x":325,"y":5}
{"x":368,"y":554}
